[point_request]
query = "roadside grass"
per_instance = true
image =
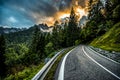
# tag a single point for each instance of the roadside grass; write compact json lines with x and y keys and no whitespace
{"x":26,"y":74}
{"x":51,"y":72}
{"x":110,"y":40}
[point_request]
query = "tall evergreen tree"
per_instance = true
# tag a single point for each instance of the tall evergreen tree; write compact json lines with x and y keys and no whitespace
{"x":36,"y":52}
{"x":55,"y":40}
{"x":72,"y":29}
{"x":96,"y":18}
{"x":2,"y":57}
{"x":38,"y":42}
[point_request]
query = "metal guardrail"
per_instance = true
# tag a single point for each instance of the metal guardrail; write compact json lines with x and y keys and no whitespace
{"x":45,"y":67}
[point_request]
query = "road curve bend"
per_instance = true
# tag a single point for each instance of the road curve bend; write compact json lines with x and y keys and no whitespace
{"x":84,"y":64}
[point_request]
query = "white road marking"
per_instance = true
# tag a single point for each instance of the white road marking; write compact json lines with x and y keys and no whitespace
{"x":100,"y":64}
{"x":62,"y":67}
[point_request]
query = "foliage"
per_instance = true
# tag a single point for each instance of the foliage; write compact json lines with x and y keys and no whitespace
{"x":2,"y":57}
{"x":110,"y":40}
{"x":49,"y":48}
{"x":14,"y":57}
{"x":77,"y":42}
{"x":55,"y":38}
{"x":20,"y":36}
{"x":116,"y":13}
{"x":27,"y":74}
{"x":72,"y":31}
{"x":99,"y":22}
{"x":36,"y":51}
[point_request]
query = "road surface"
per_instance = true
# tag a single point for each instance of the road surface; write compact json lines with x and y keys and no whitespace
{"x":84,"y":64}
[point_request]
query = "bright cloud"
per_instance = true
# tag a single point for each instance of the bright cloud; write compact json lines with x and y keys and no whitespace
{"x":12,"y":19}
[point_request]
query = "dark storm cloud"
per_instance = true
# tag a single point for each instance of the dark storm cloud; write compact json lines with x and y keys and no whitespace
{"x":44,"y":7}
{"x":30,"y":11}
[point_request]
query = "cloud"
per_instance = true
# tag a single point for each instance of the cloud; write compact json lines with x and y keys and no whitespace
{"x":12,"y":19}
{"x":34,"y":11}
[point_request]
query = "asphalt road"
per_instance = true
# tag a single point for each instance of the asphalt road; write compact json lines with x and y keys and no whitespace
{"x":84,"y":64}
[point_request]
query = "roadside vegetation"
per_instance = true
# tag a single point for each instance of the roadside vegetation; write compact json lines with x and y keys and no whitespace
{"x":110,"y":40}
{"x":26,"y":74}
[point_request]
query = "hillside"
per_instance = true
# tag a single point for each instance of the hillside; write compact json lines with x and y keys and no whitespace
{"x":15,"y":35}
{"x":19,"y":36}
{"x":10,"y":30}
{"x":110,"y":40}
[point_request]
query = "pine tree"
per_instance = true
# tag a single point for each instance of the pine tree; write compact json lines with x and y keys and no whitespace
{"x":72,"y":29}
{"x":2,"y":57}
{"x":35,"y":39}
{"x":108,"y":8}
{"x":38,"y":42}
{"x":96,"y":18}
{"x":36,"y":52}
{"x":55,"y":40}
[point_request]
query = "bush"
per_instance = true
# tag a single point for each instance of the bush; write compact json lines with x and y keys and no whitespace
{"x":77,"y":42}
{"x":49,"y":48}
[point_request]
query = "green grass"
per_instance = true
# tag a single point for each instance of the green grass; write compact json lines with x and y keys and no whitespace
{"x":110,"y":40}
{"x":50,"y":74}
{"x":27,"y":74}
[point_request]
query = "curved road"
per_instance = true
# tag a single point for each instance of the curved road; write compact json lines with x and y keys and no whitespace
{"x":84,"y":64}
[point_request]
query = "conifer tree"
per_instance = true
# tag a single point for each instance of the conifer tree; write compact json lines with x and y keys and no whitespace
{"x":2,"y":57}
{"x":72,"y":29}
{"x":38,"y":42}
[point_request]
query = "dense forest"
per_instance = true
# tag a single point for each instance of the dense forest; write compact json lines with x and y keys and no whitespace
{"x":22,"y":50}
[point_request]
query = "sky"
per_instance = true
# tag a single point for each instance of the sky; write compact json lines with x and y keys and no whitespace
{"x":25,"y":13}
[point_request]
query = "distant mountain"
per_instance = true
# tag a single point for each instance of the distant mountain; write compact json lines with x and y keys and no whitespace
{"x":9,"y":30}
{"x":23,"y":35}
{"x":45,"y":28}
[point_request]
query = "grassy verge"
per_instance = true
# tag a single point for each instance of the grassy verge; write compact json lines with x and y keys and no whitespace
{"x":26,"y":74}
{"x":50,"y":74}
{"x":110,"y":40}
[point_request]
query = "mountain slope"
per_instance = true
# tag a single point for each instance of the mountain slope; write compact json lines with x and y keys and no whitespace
{"x":110,"y":40}
{"x":9,"y":30}
{"x":23,"y":35}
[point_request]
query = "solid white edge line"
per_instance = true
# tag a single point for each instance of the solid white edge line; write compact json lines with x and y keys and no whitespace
{"x":100,"y":64}
{"x":62,"y":67}
{"x":104,"y":56}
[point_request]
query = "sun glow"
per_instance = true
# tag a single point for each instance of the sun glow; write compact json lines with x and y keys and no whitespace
{"x":66,"y":13}
{"x":78,"y":10}
{"x":81,"y":12}
{"x":64,"y":16}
